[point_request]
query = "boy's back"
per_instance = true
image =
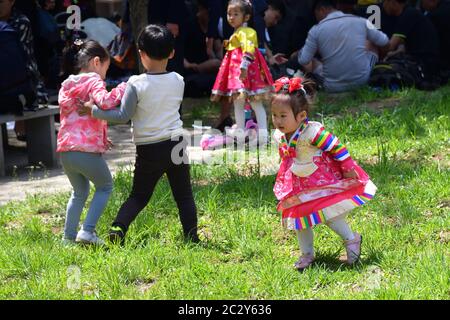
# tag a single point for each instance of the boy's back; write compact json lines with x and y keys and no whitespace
{"x":159,"y":97}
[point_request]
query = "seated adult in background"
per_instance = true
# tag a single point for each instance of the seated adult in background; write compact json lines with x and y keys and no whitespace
{"x":24,"y":19}
{"x":284,"y":39}
{"x":172,"y":14}
{"x":348,"y":46}
{"x":415,"y":35}
{"x":22,"y":25}
{"x":214,"y":36}
{"x":273,"y":13}
{"x":267,"y":14}
{"x":200,"y":68}
{"x":47,"y":40}
{"x":387,"y":22}
{"x":438,"y":11}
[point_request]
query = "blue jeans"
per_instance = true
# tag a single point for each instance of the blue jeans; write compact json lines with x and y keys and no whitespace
{"x":80,"y":168}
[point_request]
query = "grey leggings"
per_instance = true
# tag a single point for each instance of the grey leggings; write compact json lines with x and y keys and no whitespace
{"x":80,"y":168}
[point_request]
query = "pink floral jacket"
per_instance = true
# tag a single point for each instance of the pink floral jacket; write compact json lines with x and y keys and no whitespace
{"x":85,"y":133}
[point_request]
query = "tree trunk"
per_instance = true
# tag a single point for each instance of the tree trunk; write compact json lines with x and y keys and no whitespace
{"x":139,"y":20}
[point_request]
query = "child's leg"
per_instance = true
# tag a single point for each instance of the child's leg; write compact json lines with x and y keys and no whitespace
{"x":79,"y":196}
{"x":261,"y":118}
{"x":180,"y":183}
{"x":352,"y":240}
{"x":306,"y":240}
{"x":99,"y":174}
{"x":341,"y":227}
{"x":149,"y":167}
{"x":239,"y":113}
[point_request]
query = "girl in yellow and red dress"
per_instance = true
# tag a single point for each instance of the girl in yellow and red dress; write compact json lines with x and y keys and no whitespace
{"x":243,"y":75}
{"x":318,"y":182}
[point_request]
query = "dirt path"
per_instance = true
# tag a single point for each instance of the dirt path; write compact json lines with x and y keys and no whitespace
{"x":22,"y":179}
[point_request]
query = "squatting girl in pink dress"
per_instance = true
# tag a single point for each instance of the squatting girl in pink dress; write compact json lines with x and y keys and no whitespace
{"x":318,"y":181}
{"x":243,"y":75}
{"x":83,"y":139}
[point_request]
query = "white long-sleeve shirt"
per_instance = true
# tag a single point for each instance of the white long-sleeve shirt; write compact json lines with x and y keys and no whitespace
{"x":152,"y":102}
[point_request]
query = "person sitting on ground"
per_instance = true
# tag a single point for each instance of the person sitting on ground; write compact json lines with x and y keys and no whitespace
{"x":273,"y":14}
{"x":200,"y":67}
{"x":22,"y":25}
{"x":414,"y":35}
{"x":288,"y":37}
{"x":348,"y":45}
{"x":438,"y":11}
{"x":47,"y":40}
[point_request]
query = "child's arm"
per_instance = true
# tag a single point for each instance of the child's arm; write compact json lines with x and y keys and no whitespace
{"x":327,"y":142}
{"x":248,"y":41}
{"x":126,"y":111}
{"x":104,"y":99}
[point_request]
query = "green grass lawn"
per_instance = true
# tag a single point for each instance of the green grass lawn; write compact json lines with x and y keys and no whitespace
{"x":401,"y":139}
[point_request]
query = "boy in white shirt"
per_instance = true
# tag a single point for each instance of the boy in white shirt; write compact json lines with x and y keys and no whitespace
{"x":152,"y":101}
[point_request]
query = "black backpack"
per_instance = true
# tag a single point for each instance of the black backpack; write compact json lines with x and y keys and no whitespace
{"x":399,"y":71}
{"x":16,"y":90}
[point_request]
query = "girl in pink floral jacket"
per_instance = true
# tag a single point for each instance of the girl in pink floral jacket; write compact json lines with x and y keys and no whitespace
{"x":83,"y":139}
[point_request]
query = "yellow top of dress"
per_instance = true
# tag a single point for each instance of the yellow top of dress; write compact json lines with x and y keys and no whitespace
{"x":244,"y":38}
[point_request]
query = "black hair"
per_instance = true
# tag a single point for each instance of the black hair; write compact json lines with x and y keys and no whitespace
{"x":324,"y":4}
{"x":246,"y":8}
{"x":78,"y":53}
{"x":244,"y":5}
{"x":156,"y":41}
{"x":277,"y":5}
{"x":298,"y":100}
{"x":203,"y":4}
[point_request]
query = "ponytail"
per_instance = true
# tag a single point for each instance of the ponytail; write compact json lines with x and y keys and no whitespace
{"x":77,"y":55}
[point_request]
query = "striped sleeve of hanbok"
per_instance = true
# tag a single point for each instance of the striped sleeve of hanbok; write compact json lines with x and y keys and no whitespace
{"x":327,"y":142}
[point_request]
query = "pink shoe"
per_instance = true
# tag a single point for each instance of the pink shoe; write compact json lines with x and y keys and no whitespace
{"x":353,"y":248}
{"x":304,"y":262}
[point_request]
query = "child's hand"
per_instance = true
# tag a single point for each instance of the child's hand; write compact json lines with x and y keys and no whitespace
{"x":86,"y":108}
{"x":351,"y":174}
{"x":290,"y":202}
{"x":243,"y":74}
{"x":278,"y":59}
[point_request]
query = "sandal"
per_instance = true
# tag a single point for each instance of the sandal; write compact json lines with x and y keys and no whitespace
{"x":304,"y":262}
{"x":353,"y":248}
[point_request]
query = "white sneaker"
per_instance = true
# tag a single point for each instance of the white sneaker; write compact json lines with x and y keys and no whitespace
{"x":89,"y":238}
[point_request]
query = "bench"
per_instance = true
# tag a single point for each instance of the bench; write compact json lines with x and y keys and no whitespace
{"x":41,"y":137}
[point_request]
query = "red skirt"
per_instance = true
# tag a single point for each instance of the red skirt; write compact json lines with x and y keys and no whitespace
{"x":258,"y":82}
{"x":303,"y":208}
